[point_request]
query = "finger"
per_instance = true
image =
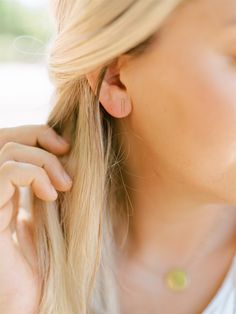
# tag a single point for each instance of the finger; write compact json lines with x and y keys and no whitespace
{"x":9,"y":212}
{"x":6,"y":216}
{"x":34,"y":135}
{"x":40,"y":157}
{"x":14,"y":174}
{"x":25,"y":239}
{"x":15,"y":204}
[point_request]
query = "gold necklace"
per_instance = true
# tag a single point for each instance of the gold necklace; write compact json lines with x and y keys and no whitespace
{"x":177,"y":278}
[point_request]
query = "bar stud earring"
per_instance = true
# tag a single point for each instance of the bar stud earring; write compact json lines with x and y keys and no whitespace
{"x":122,"y":106}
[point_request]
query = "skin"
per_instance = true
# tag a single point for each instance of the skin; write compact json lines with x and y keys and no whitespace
{"x":180,"y":155}
{"x":28,"y":157}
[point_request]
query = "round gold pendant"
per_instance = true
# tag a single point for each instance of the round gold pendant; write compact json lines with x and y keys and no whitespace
{"x":177,"y":279}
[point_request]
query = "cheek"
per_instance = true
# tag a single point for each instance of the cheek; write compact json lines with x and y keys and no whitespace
{"x":207,"y":113}
{"x":204,"y":127}
{"x":187,"y":118}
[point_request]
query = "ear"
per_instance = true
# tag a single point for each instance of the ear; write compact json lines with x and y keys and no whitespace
{"x":113,"y":94}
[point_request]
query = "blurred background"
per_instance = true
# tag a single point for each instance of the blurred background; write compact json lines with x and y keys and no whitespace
{"x":26,"y":28}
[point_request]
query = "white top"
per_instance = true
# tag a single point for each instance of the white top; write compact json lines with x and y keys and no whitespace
{"x":224,"y":300}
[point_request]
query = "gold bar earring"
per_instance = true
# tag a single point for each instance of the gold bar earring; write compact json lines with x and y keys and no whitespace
{"x":122,"y":108}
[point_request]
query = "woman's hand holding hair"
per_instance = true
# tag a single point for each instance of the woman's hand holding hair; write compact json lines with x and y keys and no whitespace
{"x":27,"y":158}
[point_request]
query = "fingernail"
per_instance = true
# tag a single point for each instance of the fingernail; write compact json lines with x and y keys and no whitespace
{"x":62,"y":140}
{"x":53,"y":191}
{"x":67,"y":178}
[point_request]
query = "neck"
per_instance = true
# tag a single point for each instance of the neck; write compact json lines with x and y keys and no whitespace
{"x":173,"y":228}
{"x":170,"y":218}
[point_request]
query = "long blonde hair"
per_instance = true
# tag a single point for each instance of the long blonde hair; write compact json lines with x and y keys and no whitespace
{"x":75,"y":234}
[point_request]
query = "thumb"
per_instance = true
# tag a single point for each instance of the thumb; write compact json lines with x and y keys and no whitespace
{"x":25,"y":238}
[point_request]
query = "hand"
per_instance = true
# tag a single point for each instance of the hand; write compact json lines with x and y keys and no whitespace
{"x":27,"y":158}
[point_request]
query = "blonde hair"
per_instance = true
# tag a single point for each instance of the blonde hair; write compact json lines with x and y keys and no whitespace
{"x":75,"y":234}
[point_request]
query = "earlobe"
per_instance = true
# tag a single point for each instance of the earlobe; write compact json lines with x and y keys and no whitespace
{"x":115,"y":100}
{"x":120,"y":106}
{"x":113,"y":97}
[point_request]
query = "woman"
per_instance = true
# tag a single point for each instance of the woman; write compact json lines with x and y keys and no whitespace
{"x":145,"y":94}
